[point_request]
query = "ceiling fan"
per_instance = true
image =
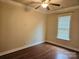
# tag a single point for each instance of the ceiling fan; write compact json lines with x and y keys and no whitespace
{"x":43,"y":3}
{"x":46,"y":3}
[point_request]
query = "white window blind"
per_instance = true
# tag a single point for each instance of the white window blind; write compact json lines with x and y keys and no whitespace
{"x":64,"y":27}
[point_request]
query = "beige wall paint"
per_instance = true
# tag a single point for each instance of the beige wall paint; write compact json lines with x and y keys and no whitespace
{"x":74,"y":30}
{"x":17,"y":27}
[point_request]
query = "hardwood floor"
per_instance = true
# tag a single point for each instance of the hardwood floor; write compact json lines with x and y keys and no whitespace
{"x":42,"y":51}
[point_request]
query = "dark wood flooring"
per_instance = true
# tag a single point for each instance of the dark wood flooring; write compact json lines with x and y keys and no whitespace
{"x":42,"y":51}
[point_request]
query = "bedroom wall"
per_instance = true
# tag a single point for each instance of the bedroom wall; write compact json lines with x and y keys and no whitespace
{"x":19,"y":27}
{"x":74,"y":30}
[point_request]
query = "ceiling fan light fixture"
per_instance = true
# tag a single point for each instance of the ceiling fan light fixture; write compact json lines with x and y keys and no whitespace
{"x":44,"y":5}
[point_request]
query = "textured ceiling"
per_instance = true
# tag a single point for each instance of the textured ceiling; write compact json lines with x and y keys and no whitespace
{"x":64,"y":4}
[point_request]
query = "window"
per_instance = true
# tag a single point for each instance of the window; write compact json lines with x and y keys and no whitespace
{"x":63,"y":27}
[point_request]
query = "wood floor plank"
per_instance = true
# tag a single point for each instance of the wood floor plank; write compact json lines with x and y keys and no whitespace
{"x":42,"y":51}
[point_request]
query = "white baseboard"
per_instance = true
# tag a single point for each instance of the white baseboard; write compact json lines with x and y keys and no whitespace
{"x":20,"y":48}
{"x":63,"y":45}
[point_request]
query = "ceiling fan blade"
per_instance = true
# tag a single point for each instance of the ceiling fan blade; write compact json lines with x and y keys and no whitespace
{"x":49,"y":0}
{"x":37,"y":7}
{"x":32,"y":2}
{"x":43,"y":0}
{"x":48,"y":8}
{"x":54,"y":4}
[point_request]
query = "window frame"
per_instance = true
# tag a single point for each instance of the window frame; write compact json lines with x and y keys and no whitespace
{"x":60,"y":15}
